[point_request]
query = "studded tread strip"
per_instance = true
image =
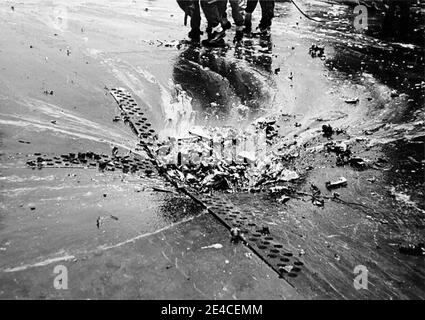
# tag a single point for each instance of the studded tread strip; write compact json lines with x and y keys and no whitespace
{"x":260,"y":241}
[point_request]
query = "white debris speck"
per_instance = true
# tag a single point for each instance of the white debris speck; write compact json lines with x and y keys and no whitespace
{"x":404,"y":198}
{"x":213,"y":246}
{"x":288,"y":268}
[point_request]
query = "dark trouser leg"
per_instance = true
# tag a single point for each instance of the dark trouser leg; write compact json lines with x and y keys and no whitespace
{"x":237,"y":12}
{"x":222,"y":8}
{"x":212,"y":13}
{"x":250,"y":6}
{"x":182,"y":4}
{"x":267,"y":13}
{"x":195,"y":20}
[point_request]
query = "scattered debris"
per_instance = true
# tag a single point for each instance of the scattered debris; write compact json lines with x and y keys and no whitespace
{"x":341,"y":182}
{"x":162,"y":190}
{"x":213,"y":246}
{"x":352,"y":100}
{"x":291,"y":76}
{"x":279,"y":190}
{"x":287,"y":268}
{"x":235,"y":234}
{"x":341,"y":150}
{"x":114,"y":151}
{"x":371,"y":180}
{"x":327,"y":131}
{"x":316,"y":191}
{"x":207,"y":176}
{"x":394,"y":94}
{"x":317,"y":51}
{"x":413,"y":160}
{"x":316,"y":198}
{"x":265,"y":230}
{"x":358,"y":162}
{"x":318,"y":202}
{"x":371,"y":131}
{"x":169,"y":44}
{"x":100,"y":219}
{"x":404,"y":199}
{"x":102,"y":166}
{"x":248,"y":255}
{"x":288,"y":175}
{"x":283,"y":199}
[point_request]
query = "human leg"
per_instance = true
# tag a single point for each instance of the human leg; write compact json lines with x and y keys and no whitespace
{"x":213,"y":13}
{"x":195,"y":22}
{"x":238,"y":11}
{"x":250,"y":7}
{"x":267,"y":14}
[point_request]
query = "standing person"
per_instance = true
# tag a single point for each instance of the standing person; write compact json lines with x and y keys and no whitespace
{"x":192,"y":9}
{"x":213,"y":10}
{"x":267,"y":15}
{"x":238,"y":17}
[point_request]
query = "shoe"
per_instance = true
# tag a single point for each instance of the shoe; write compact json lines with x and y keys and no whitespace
{"x":217,"y":34}
{"x":195,"y":36}
{"x":207,"y":43}
{"x":195,"y":40}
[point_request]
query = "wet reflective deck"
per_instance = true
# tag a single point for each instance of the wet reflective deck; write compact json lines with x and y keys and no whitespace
{"x":81,"y":185}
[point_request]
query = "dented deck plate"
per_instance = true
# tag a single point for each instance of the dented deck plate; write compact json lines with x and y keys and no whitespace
{"x":258,"y":239}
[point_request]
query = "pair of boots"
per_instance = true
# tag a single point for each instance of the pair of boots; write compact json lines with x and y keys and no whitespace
{"x":264,"y":31}
{"x":195,"y":35}
{"x":216,"y":35}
